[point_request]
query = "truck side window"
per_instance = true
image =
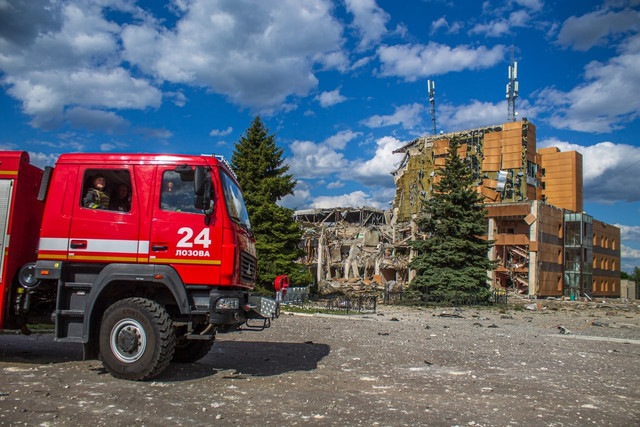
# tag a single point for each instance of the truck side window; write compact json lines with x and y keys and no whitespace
{"x":177,"y":195}
{"x":107,"y":189}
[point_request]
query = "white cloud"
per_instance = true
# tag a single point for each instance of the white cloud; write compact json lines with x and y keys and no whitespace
{"x":629,"y":232}
{"x":610,"y":171}
{"x":583,"y":32}
{"x":339,"y":140}
{"x":500,"y":27}
{"x":628,"y":252}
{"x":60,"y":55}
{"x":354,"y":199}
{"x":335,"y":184}
{"x":94,"y":119}
{"x":377,"y":170}
{"x":249,"y":57}
{"x":534,"y":5}
{"x":218,"y":132}
{"x":41,"y":159}
{"x":369,"y":19}
{"x":327,"y":99}
{"x":605,"y":101}
{"x":107,"y":147}
{"x":311,"y":160}
{"x":415,"y":61}
{"x":475,"y":114}
{"x":443,"y":23}
{"x":299,"y":199}
{"x":408,"y":115}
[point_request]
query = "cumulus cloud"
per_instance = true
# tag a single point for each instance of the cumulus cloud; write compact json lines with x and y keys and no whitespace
{"x":629,"y":232}
{"x":377,"y":170}
{"x":596,"y":28}
{"x":610,"y":171}
{"x":41,"y":160}
{"x":369,"y":19}
{"x":249,"y":57}
{"x":300,"y":197}
{"x":354,"y":199}
{"x":335,"y":184}
{"x":413,"y":61}
{"x":629,"y":253}
{"x":67,"y":55}
{"x":407,"y":115}
{"x":339,"y":140}
{"x":500,"y":27}
{"x":442,"y":23}
{"x":218,"y":132}
{"x":607,"y":99}
{"x":58,"y":56}
{"x":327,"y":99}
{"x":315,"y":160}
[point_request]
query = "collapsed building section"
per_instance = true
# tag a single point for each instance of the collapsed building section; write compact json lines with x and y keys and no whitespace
{"x":355,"y":250}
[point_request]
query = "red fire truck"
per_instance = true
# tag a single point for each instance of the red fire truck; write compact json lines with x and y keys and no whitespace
{"x":141,"y":276}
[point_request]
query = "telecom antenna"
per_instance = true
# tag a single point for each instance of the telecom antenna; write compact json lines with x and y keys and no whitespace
{"x":512,"y":89}
{"x":432,"y":101}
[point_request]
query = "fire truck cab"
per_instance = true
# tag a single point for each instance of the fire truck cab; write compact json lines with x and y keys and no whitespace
{"x":142,"y":258}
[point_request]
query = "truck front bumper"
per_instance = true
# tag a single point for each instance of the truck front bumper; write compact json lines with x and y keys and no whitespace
{"x":227,"y":308}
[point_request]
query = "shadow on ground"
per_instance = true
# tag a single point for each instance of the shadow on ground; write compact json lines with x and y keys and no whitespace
{"x":38,"y":348}
{"x":253,"y":358}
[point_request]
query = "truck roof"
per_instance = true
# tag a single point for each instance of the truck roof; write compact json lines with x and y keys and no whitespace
{"x":135,"y":158}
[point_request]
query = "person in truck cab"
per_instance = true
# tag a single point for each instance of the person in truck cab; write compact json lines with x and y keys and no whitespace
{"x":120,"y":199}
{"x":96,"y":197}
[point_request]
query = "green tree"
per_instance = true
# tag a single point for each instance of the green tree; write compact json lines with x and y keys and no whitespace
{"x":636,"y":275}
{"x":452,"y":260}
{"x":262,"y":174}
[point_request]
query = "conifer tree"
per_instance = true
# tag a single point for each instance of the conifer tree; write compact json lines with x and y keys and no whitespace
{"x":452,"y":260}
{"x":262,"y":174}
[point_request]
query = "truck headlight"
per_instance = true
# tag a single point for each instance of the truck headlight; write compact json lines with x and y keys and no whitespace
{"x":228,"y":304}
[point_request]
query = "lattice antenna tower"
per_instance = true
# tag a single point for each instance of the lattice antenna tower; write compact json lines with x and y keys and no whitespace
{"x":512,"y":89}
{"x":432,"y":100}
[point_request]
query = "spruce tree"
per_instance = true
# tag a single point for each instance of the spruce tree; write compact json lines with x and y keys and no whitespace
{"x":262,"y":174}
{"x":452,"y":260}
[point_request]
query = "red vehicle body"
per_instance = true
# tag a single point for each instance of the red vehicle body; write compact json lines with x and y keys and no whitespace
{"x":141,"y":282}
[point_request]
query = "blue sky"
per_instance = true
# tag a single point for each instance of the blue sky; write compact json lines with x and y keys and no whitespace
{"x":341,"y":83}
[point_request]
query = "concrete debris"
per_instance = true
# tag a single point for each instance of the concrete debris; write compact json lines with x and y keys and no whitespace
{"x":355,"y":251}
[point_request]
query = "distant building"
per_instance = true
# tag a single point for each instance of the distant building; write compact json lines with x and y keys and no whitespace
{"x":544,"y":244}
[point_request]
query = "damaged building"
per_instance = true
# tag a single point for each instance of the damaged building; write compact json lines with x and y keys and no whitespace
{"x":355,"y":250}
{"x":545,"y":245}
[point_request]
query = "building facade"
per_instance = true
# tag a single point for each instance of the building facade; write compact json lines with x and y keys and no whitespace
{"x":545,"y":245}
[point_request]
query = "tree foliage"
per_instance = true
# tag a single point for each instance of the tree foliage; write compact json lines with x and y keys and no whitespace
{"x":262,"y":174}
{"x":452,"y":260}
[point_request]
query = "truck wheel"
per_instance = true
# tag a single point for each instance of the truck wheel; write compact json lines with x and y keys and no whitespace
{"x":189,"y":351}
{"x":136,"y":339}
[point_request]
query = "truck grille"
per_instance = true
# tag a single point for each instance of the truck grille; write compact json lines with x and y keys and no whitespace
{"x":247,"y":267}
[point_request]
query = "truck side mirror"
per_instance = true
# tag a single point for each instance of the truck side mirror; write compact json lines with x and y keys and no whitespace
{"x":202,"y":187}
{"x":199,"y":181}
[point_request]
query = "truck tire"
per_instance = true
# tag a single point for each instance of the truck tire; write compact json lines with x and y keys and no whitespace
{"x":189,"y":351}
{"x":137,"y":340}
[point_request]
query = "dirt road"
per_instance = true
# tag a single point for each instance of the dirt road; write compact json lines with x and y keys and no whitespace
{"x":563,"y":365}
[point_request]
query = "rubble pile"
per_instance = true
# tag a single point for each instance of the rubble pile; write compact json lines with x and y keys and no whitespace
{"x":355,"y":251}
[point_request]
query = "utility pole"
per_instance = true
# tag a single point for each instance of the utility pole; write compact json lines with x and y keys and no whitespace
{"x":512,"y":89}
{"x":432,"y":100}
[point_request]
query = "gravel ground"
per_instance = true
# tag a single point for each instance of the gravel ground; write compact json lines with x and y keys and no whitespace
{"x":565,"y":363}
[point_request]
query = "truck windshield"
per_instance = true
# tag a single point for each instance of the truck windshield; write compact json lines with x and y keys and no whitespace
{"x":234,"y":201}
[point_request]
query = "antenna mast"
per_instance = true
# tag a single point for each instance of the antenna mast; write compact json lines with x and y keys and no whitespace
{"x":432,"y":100}
{"x":512,"y":89}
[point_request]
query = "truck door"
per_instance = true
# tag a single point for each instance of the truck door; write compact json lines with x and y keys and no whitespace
{"x":105,"y":224}
{"x":179,"y":235}
{"x":6,"y":185}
